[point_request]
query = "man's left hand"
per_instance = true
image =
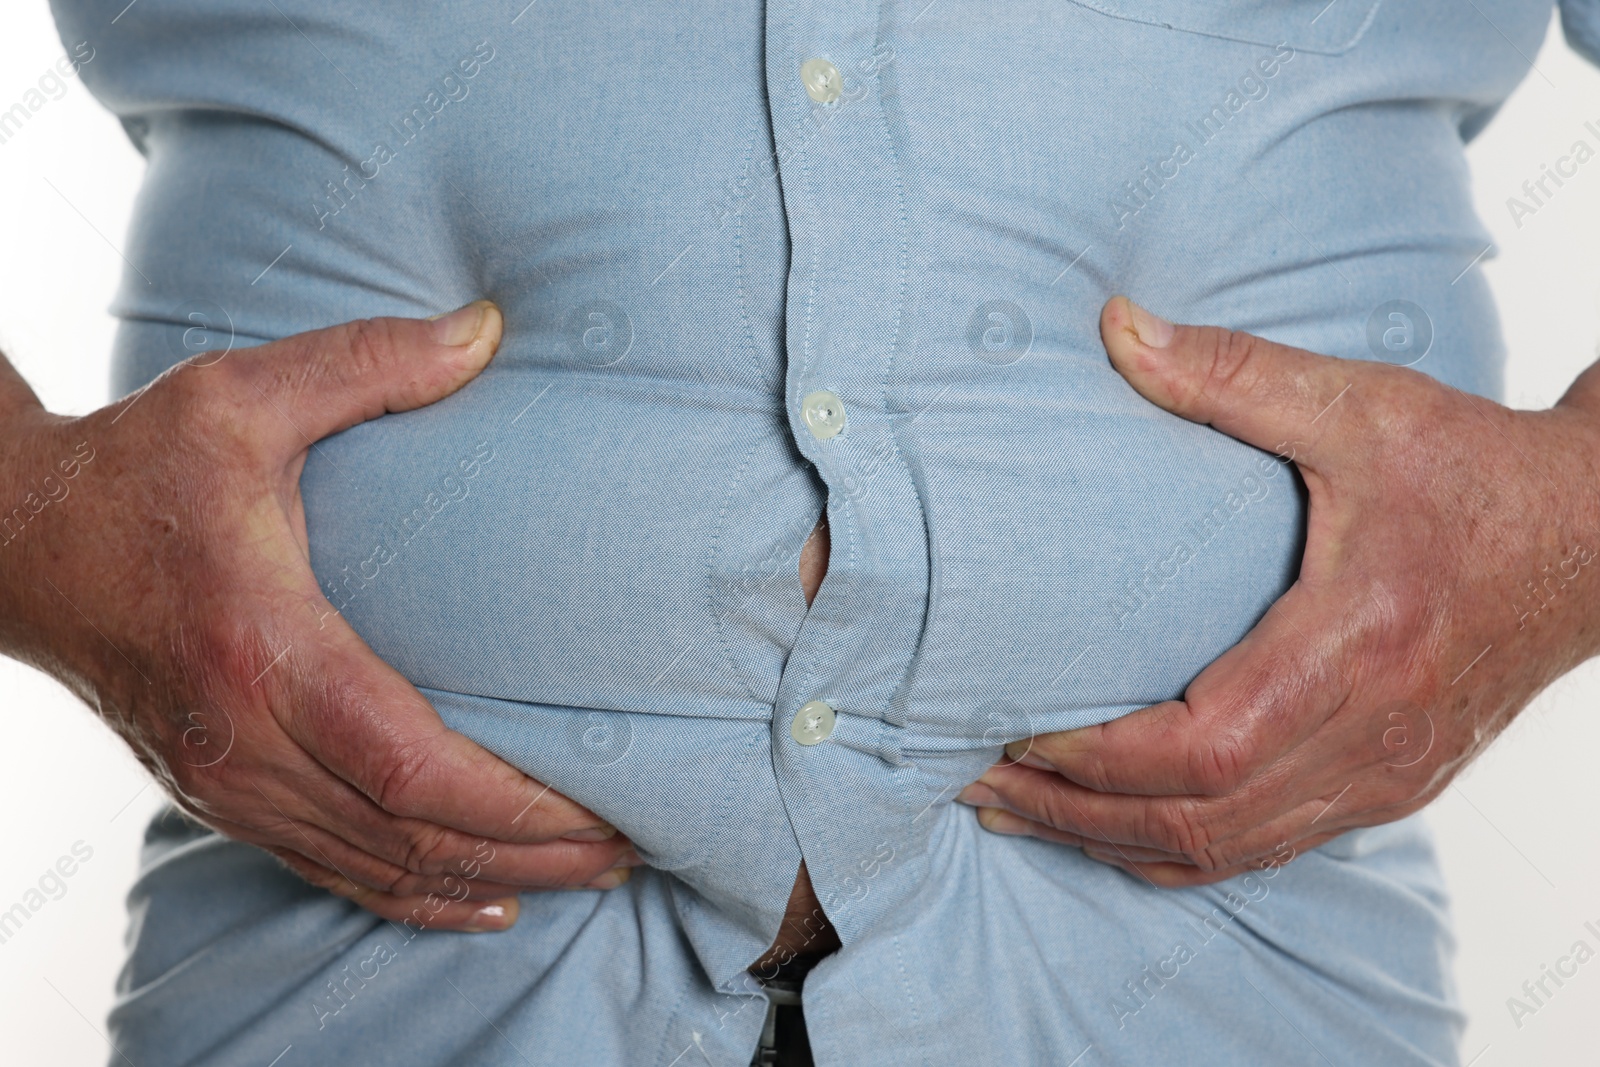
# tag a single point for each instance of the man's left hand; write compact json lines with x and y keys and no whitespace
{"x":1446,"y":580}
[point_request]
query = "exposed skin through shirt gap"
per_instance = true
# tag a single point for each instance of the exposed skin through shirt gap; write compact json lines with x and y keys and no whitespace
{"x":801,"y":936}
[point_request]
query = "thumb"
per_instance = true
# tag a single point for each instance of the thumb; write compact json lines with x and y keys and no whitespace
{"x":328,"y":380}
{"x":1262,"y":393}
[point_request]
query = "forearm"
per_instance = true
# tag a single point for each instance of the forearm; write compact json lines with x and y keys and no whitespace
{"x":30,"y":484}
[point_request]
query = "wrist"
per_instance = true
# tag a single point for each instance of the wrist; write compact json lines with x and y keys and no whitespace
{"x":1570,"y":468}
{"x":33,"y":487}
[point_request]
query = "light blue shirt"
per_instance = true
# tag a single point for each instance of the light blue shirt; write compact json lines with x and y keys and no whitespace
{"x":758,"y":260}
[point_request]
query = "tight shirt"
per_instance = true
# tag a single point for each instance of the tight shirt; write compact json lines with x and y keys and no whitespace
{"x":757,"y":261}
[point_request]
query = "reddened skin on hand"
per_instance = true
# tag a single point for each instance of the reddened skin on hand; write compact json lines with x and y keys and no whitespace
{"x":172,"y":591}
{"x":1402,"y":649}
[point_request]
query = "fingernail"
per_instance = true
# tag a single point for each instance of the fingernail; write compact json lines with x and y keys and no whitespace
{"x":999,"y":821}
{"x":1023,"y":752}
{"x":612,"y":878}
{"x":461,"y":325}
{"x":493,"y":917}
{"x":979,"y":796}
{"x":630,"y":858}
{"x":604,"y":832}
{"x":1153,"y":330}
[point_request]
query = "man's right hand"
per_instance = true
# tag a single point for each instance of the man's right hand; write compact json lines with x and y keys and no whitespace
{"x":166,"y":580}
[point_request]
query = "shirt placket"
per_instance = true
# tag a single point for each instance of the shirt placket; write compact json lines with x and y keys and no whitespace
{"x":839,"y":726}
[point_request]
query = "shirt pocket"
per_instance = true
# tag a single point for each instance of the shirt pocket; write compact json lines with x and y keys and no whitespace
{"x":1324,"y":27}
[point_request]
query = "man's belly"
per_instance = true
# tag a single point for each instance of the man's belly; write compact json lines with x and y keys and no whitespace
{"x":588,"y":556}
{"x":609,"y":517}
{"x":1010,"y":561}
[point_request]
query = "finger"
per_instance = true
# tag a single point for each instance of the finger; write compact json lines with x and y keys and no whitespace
{"x":1341,"y":778}
{"x":1179,"y":876}
{"x":315,"y":384}
{"x":1262,"y":393}
{"x":999,"y":820}
{"x":1195,"y":828}
{"x":424,"y":850}
{"x":495,"y":870}
{"x":326,"y":821}
{"x":519,"y":868}
{"x":1255,"y":702}
{"x":316,"y":843}
{"x":1161,"y":869}
{"x":433,"y":911}
{"x":1194,"y":831}
{"x":364,"y":722}
{"x":1254,"y":846}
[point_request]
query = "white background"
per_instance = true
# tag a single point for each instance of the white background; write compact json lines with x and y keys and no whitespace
{"x":1517,"y":830}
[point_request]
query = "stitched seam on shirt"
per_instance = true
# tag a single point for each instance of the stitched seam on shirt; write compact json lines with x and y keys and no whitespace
{"x":911,"y":1000}
{"x":751,"y":351}
{"x":903,"y":686}
{"x":1331,"y":49}
{"x":672,"y":1021}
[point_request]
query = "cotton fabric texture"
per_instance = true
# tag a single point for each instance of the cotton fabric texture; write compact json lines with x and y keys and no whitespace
{"x":587,"y":557}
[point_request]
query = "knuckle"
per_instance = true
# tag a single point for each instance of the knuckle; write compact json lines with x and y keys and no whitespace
{"x":1219,"y":765}
{"x":1221,"y":859}
{"x":576,"y":871}
{"x":401,"y":773}
{"x":369,"y":346}
{"x":1083,"y":764}
{"x":548,"y":815}
{"x":405,"y":883}
{"x":404,"y":770}
{"x":1396,"y":630}
{"x":1389,"y":419}
{"x":563,"y":867}
{"x":1219,"y":749}
{"x":1090,"y":770}
{"x":428,"y":850}
{"x":1178,"y":828}
{"x":1396,"y":603}
{"x":1226,"y":358}
{"x":1050,"y":806}
{"x":379,"y":875}
{"x":565,"y":875}
{"x":343,"y":708}
{"x":1404,"y":404}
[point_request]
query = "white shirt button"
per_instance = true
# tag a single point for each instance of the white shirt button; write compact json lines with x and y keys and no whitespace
{"x":822,"y":80}
{"x":813,"y":723}
{"x":823,"y":413}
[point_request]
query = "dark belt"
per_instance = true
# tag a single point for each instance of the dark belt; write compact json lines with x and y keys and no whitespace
{"x":784,"y":1042}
